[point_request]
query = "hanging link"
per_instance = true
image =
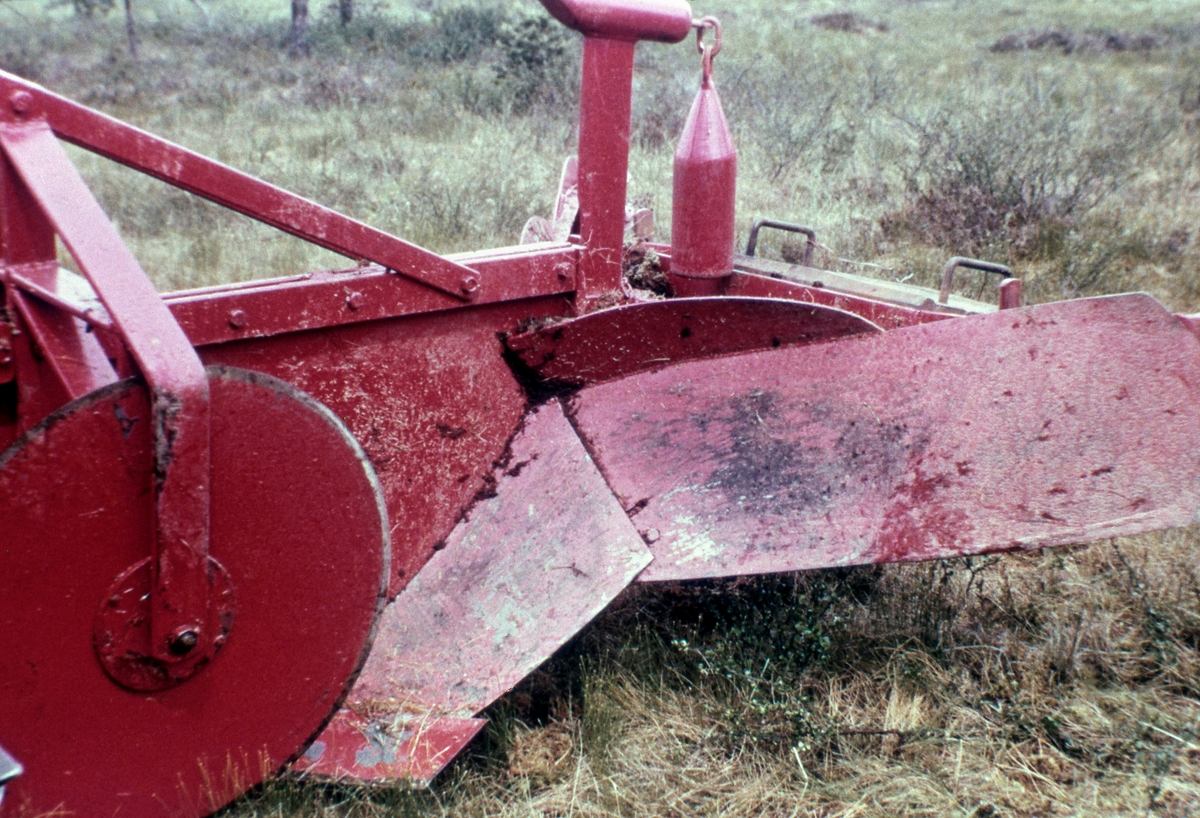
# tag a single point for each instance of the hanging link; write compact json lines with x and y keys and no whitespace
{"x":707,"y":52}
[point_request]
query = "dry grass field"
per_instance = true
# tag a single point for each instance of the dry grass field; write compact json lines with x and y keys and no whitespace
{"x":1061,"y":138}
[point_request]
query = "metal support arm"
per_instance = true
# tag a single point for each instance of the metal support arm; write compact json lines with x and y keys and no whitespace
{"x":173,"y":372}
{"x":235,"y":190}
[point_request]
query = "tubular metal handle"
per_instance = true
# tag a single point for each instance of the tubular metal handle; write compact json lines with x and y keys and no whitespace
{"x":665,"y":21}
{"x":972,"y":263}
{"x":808,"y":232}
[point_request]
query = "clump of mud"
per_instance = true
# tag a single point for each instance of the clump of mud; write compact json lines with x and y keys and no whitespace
{"x":848,"y":22}
{"x":1070,"y":42}
{"x":643,"y":270}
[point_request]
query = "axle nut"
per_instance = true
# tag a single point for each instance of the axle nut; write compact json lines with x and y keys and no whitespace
{"x":184,"y":640}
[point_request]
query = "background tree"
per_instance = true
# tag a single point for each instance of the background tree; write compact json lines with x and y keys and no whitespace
{"x":89,"y":8}
{"x":130,"y":32}
{"x":298,"y":38}
{"x":346,"y":11}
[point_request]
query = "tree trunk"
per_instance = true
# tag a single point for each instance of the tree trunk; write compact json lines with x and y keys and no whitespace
{"x":298,"y":42}
{"x":130,"y":33}
{"x":346,"y":11}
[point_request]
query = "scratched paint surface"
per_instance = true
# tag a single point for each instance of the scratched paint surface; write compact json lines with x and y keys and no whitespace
{"x":76,"y":497}
{"x":406,"y":746}
{"x":1056,"y":424}
{"x":529,"y":567}
{"x":653,"y":334}
{"x":430,"y":400}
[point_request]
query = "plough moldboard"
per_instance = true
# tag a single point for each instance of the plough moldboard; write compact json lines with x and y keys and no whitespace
{"x":326,"y":520}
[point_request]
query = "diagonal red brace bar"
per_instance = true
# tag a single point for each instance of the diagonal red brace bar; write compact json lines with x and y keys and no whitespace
{"x":177,"y":381}
{"x":236,"y":190}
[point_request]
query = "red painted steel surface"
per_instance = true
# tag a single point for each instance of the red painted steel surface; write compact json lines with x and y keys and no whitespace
{"x":882,"y":314}
{"x":667,"y":21}
{"x":430,"y":398}
{"x":322,"y":299}
{"x":1056,"y":424}
{"x":705,"y":190}
{"x":61,"y":289}
{"x":36,"y":390}
{"x":604,"y":111}
{"x":238,"y":191}
{"x":26,"y":237}
{"x":414,"y":748}
{"x":180,"y":615}
{"x":72,"y":353}
{"x":308,"y":576}
{"x":1191,"y":322}
{"x":651,"y":335}
{"x":8,"y":370}
{"x":523,"y":573}
{"x":1011,"y":294}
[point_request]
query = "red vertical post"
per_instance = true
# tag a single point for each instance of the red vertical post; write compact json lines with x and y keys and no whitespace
{"x":26,"y":237}
{"x":607,"y":90}
{"x":1010,"y":294}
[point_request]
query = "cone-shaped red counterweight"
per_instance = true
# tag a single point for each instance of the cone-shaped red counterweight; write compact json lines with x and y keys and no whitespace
{"x":704,"y":191}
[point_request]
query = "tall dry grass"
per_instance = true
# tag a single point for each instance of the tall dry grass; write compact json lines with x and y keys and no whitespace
{"x":1063,"y":683}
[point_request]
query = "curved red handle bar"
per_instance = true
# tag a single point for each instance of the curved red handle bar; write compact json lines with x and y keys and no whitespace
{"x":666,"y":21}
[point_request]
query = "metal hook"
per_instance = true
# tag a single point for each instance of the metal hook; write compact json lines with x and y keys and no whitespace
{"x":707,"y":23}
{"x":707,"y":51}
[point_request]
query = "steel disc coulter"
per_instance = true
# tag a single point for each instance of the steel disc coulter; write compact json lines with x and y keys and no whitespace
{"x":298,"y":568}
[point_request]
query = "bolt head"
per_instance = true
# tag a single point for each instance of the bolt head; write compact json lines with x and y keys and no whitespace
{"x":184,"y":640}
{"x":470,"y":285}
{"x":20,"y":102}
{"x":237,"y":319}
{"x":355,"y":300}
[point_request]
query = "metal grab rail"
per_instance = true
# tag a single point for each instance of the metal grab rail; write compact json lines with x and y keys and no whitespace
{"x":972,"y":263}
{"x":808,"y":232}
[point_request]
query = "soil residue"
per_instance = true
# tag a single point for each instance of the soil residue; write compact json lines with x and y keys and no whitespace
{"x":804,"y":459}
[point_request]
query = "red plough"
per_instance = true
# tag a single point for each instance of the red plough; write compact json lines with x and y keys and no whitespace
{"x":327,"y":520}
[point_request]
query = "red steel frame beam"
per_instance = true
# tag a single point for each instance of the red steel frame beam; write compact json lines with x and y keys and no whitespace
{"x":235,"y":190}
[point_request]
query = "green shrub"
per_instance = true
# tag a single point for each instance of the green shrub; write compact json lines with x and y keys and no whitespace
{"x":533,"y":62}
{"x":463,"y":32}
{"x":1016,"y":174}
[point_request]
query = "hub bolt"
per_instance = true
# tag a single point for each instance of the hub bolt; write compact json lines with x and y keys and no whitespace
{"x":184,"y":640}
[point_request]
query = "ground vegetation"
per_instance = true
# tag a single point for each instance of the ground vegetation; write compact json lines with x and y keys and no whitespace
{"x":1060,"y":138}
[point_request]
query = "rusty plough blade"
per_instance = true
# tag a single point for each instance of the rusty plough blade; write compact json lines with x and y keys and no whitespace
{"x":327,"y":520}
